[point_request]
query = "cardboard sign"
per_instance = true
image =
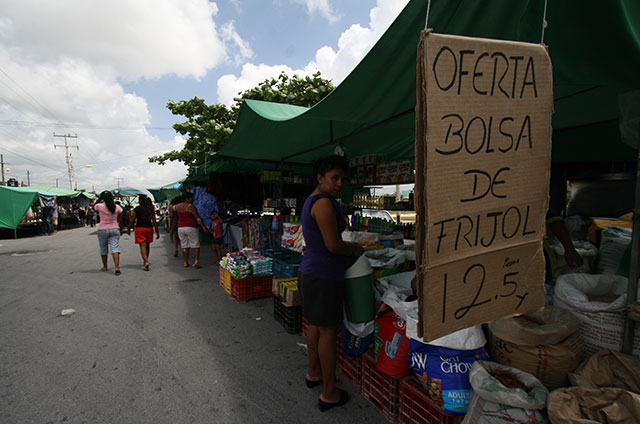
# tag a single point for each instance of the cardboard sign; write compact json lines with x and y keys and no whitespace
{"x":483,"y":146}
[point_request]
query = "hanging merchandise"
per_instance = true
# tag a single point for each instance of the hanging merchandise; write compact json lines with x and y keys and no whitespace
{"x":205,"y":203}
{"x":251,"y":233}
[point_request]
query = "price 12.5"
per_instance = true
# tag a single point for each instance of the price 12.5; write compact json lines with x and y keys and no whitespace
{"x":474,"y":279}
{"x":482,"y":288}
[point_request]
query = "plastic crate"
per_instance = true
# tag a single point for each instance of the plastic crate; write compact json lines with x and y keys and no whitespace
{"x":253,"y":287}
{"x":350,"y":368}
{"x":283,"y":269}
{"x":225,"y":280}
{"x":290,"y":317}
{"x":379,"y":389}
{"x":416,"y":407}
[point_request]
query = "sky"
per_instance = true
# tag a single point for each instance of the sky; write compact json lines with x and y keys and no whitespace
{"x":103,"y":72}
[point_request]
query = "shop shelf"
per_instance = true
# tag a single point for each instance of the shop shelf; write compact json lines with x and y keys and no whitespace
{"x":253,"y":287}
{"x":350,"y":368}
{"x":225,"y":280}
{"x":416,"y":407}
{"x":381,"y":390}
{"x":290,"y":317}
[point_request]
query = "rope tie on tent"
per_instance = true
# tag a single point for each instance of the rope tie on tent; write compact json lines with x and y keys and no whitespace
{"x":426,"y":20}
{"x":545,"y":24}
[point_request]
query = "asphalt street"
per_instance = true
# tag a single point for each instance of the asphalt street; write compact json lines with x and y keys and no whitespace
{"x":164,"y":346}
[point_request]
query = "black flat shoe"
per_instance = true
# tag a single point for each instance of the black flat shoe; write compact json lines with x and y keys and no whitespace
{"x":312,"y":384}
{"x":325,"y":406}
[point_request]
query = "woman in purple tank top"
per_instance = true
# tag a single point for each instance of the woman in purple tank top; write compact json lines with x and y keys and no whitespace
{"x":321,"y":278}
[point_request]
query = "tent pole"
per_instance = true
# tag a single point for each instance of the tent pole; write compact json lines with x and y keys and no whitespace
{"x":15,"y":233}
{"x":634,"y":271}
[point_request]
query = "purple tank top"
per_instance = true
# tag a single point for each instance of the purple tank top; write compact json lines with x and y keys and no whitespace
{"x":317,"y":260}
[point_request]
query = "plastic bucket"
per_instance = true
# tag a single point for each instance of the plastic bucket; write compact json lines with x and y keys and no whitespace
{"x":359,"y":296}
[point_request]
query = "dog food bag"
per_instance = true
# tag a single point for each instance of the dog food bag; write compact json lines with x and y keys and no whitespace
{"x":444,"y":373}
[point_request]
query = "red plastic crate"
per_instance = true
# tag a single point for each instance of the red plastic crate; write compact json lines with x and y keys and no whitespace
{"x":379,"y":389}
{"x":416,"y":407}
{"x":253,"y":287}
{"x":350,"y":368}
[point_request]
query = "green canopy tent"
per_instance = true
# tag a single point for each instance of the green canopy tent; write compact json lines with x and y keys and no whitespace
{"x":595,"y":57}
{"x":46,"y":190}
{"x":594,"y":49}
{"x":166,"y":192}
{"x":14,"y":203}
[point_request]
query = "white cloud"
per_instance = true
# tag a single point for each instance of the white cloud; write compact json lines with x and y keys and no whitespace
{"x":73,"y":56}
{"x":355,"y":42}
{"x":353,"y":45}
{"x":112,"y":136}
{"x":319,"y":6}
{"x":230,"y":86}
{"x":144,"y":38}
{"x":230,"y":35}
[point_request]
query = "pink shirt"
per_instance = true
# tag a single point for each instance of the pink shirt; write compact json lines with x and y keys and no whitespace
{"x":217,"y":229}
{"x":108,"y":220}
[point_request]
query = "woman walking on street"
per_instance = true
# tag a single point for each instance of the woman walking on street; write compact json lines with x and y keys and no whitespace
{"x":188,"y":229}
{"x":144,"y":219}
{"x":109,"y":229}
{"x":321,"y":278}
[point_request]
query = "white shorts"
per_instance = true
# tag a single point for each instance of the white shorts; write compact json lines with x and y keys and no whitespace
{"x":189,"y":237}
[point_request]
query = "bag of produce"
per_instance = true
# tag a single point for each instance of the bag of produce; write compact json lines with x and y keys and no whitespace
{"x":501,"y":393}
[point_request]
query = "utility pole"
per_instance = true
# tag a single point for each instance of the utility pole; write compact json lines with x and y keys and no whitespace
{"x":67,"y":154}
{"x":118,"y":180}
{"x":28,"y":179}
{"x":2,"y":166}
{"x":56,"y":183}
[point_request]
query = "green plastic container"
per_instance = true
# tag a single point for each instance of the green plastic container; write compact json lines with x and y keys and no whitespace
{"x":360,"y":302}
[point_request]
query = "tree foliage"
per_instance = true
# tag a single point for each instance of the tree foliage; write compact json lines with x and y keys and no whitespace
{"x":208,"y":127}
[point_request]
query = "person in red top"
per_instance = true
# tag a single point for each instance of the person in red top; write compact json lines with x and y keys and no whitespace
{"x":144,"y":218}
{"x":189,"y":223}
{"x":216,"y":230}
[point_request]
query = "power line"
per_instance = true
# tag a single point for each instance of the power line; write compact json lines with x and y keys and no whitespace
{"x":28,"y":158}
{"x":21,"y":111}
{"x":28,"y":94}
{"x":78,"y":125}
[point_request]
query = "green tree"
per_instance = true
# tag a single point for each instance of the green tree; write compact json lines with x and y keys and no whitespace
{"x":208,"y":127}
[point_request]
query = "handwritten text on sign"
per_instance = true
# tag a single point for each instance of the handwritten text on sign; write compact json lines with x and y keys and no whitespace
{"x":488,"y":146}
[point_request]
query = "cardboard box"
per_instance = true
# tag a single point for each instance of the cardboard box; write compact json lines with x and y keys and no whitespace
{"x":483,"y":151}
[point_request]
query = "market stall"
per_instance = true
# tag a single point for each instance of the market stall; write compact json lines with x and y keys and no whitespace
{"x":372,"y":114}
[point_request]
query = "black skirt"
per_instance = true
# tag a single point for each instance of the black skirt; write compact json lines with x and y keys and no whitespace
{"x":322,"y":300}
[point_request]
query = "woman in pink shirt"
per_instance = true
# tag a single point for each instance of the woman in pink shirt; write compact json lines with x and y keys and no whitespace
{"x":109,"y":229}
